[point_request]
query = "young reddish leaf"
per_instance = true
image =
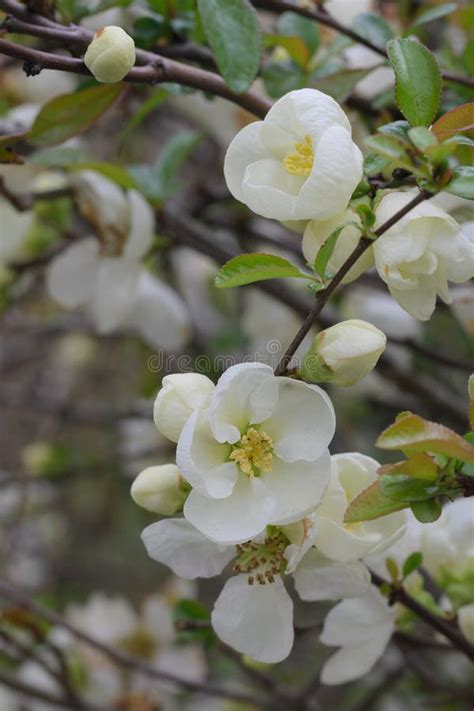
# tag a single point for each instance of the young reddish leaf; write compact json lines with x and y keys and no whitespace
{"x":411,"y":433}
{"x":370,"y":504}
{"x":459,"y":120}
{"x":419,"y":465}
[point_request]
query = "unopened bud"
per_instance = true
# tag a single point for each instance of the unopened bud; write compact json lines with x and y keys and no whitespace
{"x":160,"y":489}
{"x":344,"y":353}
{"x":110,"y":55}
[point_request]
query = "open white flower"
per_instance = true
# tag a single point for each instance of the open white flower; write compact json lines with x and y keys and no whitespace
{"x":352,"y":473}
{"x":258,"y":456}
{"x":254,"y":612}
{"x":317,"y":232}
{"x":419,"y":255}
{"x":362,"y":627}
{"x":299,"y":163}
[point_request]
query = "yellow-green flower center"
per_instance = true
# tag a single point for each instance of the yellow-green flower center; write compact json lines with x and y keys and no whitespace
{"x":253,"y":452}
{"x":301,"y":161}
{"x":262,"y":561}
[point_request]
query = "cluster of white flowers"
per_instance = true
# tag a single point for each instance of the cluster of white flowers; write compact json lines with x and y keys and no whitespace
{"x":301,"y":166}
{"x":258,"y":487}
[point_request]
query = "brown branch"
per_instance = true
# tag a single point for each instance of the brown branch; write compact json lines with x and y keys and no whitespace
{"x":324,"y":18}
{"x":323,"y":296}
{"x":23,"y":600}
{"x":447,"y":629}
{"x":155,"y":69}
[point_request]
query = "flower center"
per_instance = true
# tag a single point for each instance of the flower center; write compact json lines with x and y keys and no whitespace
{"x":140,"y":643}
{"x":253,"y":453}
{"x":262,"y":561}
{"x":301,"y":161}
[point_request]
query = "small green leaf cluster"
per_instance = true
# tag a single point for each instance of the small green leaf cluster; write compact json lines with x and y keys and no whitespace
{"x":438,"y":465}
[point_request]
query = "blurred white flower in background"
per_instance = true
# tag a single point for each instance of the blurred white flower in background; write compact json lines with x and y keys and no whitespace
{"x":105,"y":275}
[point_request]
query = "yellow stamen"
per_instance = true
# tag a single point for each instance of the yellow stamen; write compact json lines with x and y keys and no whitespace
{"x":301,"y":161}
{"x":253,"y":453}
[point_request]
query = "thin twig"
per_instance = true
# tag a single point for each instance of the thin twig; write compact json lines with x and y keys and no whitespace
{"x":323,"y":296}
{"x":324,"y":18}
{"x":447,"y":629}
{"x":23,"y":600}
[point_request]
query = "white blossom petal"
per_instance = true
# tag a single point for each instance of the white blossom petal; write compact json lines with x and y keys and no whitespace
{"x":256,"y":620}
{"x":71,"y":276}
{"x":318,"y":578}
{"x":303,"y":422}
{"x":175,"y":543}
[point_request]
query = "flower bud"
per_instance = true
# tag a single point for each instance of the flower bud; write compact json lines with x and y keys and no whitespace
{"x":180,"y":394}
{"x":110,"y":55}
{"x":344,"y":353}
{"x":160,"y":489}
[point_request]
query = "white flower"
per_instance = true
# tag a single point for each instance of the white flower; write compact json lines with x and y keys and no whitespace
{"x":159,"y":489}
{"x":179,"y":396}
{"x":419,"y":255}
{"x":110,"y":55}
{"x":253,"y":613}
{"x":299,"y":163}
{"x":14,"y":229}
{"x":362,"y":627}
{"x":158,"y":314}
{"x":103,"y":275}
{"x":352,"y":473}
{"x":317,"y":232}
{"x":466,"y":621}
{"x":447,"y":544}
{"x":380,"y":79}
{"x":347,"y":10}
{"x":344,"y":353}
{"x":258,"y":456}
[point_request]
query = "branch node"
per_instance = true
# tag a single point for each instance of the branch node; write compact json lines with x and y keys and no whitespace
{"x":32,"y":69}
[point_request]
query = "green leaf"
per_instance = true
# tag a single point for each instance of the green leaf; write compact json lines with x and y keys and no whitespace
{"x":412,"y":433}
{"x":158,"y":182}
{"x":295,"y":47}
{"x":293,"y":25}
{"x":371,"y":504}
{"x":325,"y":252}
{"x":417,"y":80}
{"x":462,"y":182}
{"x":396,"y":128}
{"x":249,"y":268}
{"x":282,"y":77}
{"x":402,"y":487}
{"x":66,"y":116}
{"x":233,"y":33}
{"x":139,"y":116}
{"x":394,"y":149}
{"x":419,"y":465}
{"x":412,"y":563}
{"x":422,"y":138}
{"x":392,"y":568}
{"x":375,"y":164}
{"x":373,"y":28}
{"x":426,"y":511}
{"x":434,"y":13}
{"x":113,"y":172}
